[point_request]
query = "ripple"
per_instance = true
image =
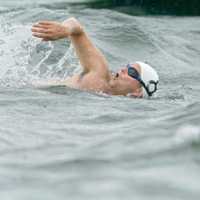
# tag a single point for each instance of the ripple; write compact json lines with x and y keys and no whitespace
{"x":2,"y":42}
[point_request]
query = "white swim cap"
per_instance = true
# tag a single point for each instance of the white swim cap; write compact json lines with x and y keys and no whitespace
{"x":150,"y":78}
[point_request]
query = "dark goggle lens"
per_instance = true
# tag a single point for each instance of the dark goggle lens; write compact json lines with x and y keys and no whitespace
{"x":132,"y":72}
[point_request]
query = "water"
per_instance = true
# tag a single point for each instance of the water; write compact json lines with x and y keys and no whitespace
{"x":178,"y":7}
{"x":59,"y":143}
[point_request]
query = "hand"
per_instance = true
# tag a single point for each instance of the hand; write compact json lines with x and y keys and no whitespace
{"x":49,"y":30}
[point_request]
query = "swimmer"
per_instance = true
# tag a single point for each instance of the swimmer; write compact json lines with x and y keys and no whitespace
{"x":138,"y":79}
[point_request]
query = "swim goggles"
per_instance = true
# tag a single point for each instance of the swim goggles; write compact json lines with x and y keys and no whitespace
{"x":152,"y":85}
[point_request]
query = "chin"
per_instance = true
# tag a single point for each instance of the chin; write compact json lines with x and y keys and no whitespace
{"x":136,"y":95}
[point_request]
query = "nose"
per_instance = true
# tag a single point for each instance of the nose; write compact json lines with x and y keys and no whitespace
{"x":123,"y":70}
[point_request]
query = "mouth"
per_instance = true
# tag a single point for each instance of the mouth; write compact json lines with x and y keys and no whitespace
{"x":115,"y":75}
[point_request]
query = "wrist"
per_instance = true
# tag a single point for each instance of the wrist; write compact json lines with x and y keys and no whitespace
{"x":65,"y":31}
{"x":72,"y":27}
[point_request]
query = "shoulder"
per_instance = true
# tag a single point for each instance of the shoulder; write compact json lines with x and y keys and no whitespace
{"x":93,"y":81}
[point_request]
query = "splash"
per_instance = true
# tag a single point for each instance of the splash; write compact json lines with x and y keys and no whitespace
{"x":24,"y":59}
{"x":187,"y":134}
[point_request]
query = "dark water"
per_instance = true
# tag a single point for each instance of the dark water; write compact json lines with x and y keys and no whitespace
{"x":138,"y":7}
{"x":59,"y":143}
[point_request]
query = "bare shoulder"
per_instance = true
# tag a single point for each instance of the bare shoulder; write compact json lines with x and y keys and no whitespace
{"x":93,"y":82}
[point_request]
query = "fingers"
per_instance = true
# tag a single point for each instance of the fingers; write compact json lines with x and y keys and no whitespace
{"x":46,"y":39}
{"x":41,"y":35}
{"x":46,"y":22}
{"x":40,"y":26}
{"x":44,"y":30}
{"x":43,"y":24}
{"x":40,"y":30}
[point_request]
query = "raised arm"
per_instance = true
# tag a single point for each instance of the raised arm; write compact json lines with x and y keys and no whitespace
{"x":90,"y":57}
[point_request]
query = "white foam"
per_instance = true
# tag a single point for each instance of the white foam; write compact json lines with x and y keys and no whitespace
{"x":187,"y":134}
{"x":24,"y":59}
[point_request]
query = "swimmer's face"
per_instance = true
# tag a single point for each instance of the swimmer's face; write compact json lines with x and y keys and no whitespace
{"x":125,"y":84}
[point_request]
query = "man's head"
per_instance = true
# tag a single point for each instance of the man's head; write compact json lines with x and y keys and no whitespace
{"x":138,"y":80}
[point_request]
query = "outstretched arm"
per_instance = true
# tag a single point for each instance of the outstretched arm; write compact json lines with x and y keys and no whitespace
{"x":90,"y":57}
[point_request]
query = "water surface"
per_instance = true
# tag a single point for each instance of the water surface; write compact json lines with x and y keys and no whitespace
{"x":59,"y":143}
